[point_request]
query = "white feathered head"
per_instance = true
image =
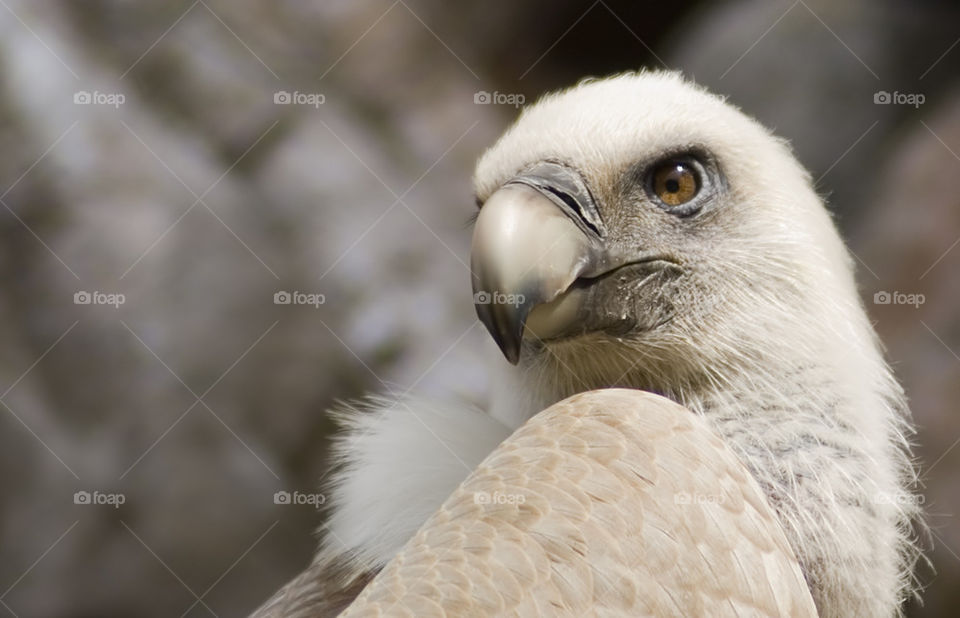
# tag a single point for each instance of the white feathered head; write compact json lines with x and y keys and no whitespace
{"x":642,"y":231}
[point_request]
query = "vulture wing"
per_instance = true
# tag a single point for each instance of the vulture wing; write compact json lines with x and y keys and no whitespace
{"x":324,"y":589}
{"x":610,"y":503}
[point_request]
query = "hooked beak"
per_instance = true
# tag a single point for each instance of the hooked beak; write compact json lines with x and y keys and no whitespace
{"x":534,"y":237}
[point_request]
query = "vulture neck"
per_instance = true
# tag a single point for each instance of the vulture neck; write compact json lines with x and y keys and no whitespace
{"x":836,"y":381}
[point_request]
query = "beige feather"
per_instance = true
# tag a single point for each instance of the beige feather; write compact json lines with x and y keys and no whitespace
{"x":325,"y":588}
{"x":610,"y":503}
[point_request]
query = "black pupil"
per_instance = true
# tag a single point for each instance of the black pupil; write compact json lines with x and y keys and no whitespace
{"x":673,"y":185}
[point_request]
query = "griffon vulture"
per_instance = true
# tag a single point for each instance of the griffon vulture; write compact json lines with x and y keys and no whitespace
{"x":638,"y":233}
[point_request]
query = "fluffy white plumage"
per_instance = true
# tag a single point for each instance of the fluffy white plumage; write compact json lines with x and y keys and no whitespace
{"x":402,"y":459}
{"x":762,"y":334}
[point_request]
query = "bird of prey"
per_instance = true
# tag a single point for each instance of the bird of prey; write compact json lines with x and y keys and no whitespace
{"x":728,"y":438}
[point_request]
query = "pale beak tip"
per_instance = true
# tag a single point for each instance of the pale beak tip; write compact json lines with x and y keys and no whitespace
{"x":512,"y":353}
{"x":506,"y":329}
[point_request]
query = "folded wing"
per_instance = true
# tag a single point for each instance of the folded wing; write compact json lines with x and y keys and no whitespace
{"x":609,"y":503}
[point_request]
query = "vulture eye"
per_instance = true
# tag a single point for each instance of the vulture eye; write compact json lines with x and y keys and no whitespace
{"x":675,"y":182}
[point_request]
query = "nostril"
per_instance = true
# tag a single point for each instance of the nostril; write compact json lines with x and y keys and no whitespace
{"x":565,"y":187}
{"x":574,"y":205}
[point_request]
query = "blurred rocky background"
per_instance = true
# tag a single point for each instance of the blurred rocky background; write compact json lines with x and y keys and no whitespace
{"x":172,"y":172}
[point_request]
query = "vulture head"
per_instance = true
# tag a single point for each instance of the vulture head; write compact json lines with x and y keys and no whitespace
{"x":640,"y":231}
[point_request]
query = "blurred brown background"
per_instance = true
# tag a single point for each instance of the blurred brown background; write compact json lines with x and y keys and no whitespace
{"x":149,"y":150}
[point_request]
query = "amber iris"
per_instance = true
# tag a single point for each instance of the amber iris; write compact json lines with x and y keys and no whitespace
{"x":675,"y":183}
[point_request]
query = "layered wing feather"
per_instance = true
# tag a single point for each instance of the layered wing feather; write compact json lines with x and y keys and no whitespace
{"x":610,"y":503}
